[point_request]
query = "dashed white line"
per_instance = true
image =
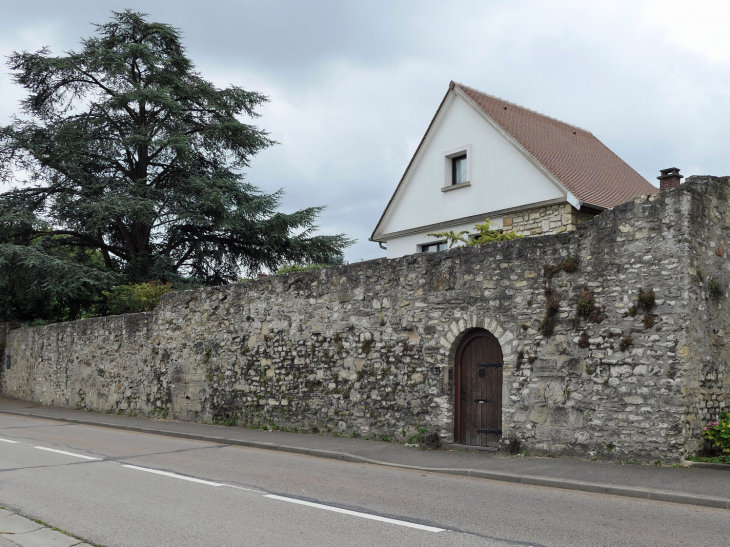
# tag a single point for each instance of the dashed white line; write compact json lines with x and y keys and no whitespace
{"x":271,"y":496}
{"x":173,"y":475}
{"x":357,"y":513}
{"x":244,"y":489}
{"x":66,"y":453}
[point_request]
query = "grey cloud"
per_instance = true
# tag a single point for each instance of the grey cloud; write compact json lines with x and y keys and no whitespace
{"x":353,"y":85}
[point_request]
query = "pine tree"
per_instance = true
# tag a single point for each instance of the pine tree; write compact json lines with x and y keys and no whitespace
{"x":128,"y":153}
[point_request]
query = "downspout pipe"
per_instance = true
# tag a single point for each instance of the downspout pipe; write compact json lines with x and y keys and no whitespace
{"x":380,"y":243}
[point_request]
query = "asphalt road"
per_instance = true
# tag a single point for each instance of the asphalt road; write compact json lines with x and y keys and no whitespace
{"x":139,"y":492}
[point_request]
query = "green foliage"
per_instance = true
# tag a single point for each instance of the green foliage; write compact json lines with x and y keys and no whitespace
{"x":416,"y":437}
{"x":227,"y":420}
{"x":34,"y":323}
{"x":43,"y":279}
{"x":626,"y":343}
{"x":295,"y":268}
{"x":569,"y":264}
{"x":547,"y":326}
{"x":131,"y":165}
{"x":586,"y":303}
{"x":649,"y":321}
{"x":135,"y":298}
{"x":484,"y":234}
{"x":718,"y":433}
{"x":714,"y":289}
{"x":452,"y":237}
{"x":710,"y":459}
{"x":646,"y":300}
{"x":552,"y":307}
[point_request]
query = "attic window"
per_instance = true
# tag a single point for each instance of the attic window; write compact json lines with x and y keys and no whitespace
{"x":458,"y":170}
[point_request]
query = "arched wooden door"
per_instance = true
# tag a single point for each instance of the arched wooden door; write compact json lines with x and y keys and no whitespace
{"x":478,"y":390}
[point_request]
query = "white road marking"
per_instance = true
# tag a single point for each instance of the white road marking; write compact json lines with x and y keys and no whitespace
{"x":357,"y":514}
{"x":173,"y":475}
{"x":244,"y":489}
{"x":66,"y":453}
{"x":272,"y":496}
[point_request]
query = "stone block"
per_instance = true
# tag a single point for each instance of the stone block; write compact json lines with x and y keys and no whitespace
{"x":545,"y":367}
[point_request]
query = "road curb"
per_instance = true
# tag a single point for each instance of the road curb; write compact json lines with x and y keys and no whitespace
{"x":565,"y":484}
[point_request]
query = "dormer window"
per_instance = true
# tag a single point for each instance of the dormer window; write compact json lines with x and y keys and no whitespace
{"x":458,"y":170}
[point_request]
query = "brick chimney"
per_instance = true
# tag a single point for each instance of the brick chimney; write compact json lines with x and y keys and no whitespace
{"x":669,"y":178}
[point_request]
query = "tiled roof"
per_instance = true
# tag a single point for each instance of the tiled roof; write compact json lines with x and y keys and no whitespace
{"x":577,"y":159}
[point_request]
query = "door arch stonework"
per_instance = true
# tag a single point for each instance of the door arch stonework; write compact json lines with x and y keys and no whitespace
{"x":458,"y":329}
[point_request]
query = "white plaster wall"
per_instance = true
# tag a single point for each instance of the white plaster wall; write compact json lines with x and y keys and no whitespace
{"x":501,"y":176}
{"x":405,"y":245}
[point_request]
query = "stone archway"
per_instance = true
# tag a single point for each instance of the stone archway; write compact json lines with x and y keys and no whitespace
{"x":458,"y":330}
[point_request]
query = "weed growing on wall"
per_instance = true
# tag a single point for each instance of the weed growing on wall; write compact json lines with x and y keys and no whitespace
{"x":626,"y":343}
{"x":714,"y":289}
{"x":646,"y":300}
{"x":552,"y":300}
{"x":586,"y":302}
{"x":552,"y":307}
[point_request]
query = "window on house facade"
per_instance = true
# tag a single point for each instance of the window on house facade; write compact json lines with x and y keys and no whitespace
{"x":458,"y":170}
{"x":433,"y":247}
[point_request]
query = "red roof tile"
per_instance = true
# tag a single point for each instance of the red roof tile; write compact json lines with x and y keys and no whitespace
{"x":577,"y":159}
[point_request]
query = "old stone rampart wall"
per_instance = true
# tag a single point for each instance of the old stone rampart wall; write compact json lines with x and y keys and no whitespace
{"x":368,"y":349}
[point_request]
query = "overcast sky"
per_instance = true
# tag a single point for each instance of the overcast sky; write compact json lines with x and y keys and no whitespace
{"x":354,"y":84}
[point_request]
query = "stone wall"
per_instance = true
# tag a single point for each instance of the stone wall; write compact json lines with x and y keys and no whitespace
{"x":708,"y":322}
{"x":368,"y":349}
{"x":550,"y":219}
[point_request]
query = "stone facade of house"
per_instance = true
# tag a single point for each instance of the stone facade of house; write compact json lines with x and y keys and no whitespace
{"x":613,"y":338}
{"x":550,"y":219}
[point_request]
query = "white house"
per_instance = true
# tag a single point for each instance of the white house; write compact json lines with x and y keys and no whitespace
{"x":482,"y":157}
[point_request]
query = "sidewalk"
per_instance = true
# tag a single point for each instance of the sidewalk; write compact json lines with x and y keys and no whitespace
{"x":692,"y":485}
{"x":17,"y":530}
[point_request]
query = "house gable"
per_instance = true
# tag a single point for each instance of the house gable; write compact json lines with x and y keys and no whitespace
{"x":503,"y":175}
